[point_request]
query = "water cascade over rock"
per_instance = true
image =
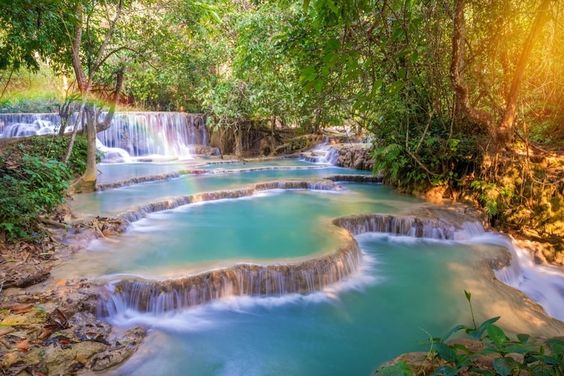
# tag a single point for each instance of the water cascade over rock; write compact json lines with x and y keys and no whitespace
{"x":350,"y":155}
{"x":311,"y":275}
{"x":240,"y":280}
{"x":150,"y":134}
{"x":398,"y":225}
{"x":21,"y":124}
{"x":542,"y":283}
{"x":132,"y":135}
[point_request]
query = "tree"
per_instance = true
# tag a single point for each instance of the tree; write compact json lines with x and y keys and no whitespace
{"x":86,"y":62}
{"x":501,"y":133}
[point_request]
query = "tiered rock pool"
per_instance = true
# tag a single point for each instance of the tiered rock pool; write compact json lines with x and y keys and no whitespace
{"x":401,"y":290}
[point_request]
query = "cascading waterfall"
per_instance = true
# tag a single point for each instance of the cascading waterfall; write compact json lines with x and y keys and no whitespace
{"x":323,"y":153}
{"x":398,"y":225}
{"x":21,"y":125}
{"x":241,"y":280}
{"x":305,"y":277}
{"x":149,"y":134}
{"x":542,"y":283}
{"x":141,"y":135}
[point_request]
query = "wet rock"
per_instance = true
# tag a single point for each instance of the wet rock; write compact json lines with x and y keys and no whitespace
{"x":240,"y":280}
{"x":357,"y":178}
{"x":58,"y":360}
{"x":354,"y":155}
{"x":28,"y":318}
{"x":26,"y":278}
{"x":137,"y":180}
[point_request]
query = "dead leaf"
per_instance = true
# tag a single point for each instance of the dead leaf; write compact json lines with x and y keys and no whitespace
{"x":21,"y":308}
{"x":23,"y":346}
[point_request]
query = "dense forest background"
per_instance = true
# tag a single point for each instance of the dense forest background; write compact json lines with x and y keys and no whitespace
{"x":462,"y":97}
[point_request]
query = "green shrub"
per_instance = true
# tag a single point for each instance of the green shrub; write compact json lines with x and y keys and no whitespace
{"x":33,"y":182}
{"x":48,"y":104}
{"x":55,"y":148}
{"x":33,"y":188}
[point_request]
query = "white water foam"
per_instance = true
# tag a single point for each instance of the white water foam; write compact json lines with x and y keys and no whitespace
{"x":542,"y":283}
{"x":323,"y":154}
{"x":205,"y":316}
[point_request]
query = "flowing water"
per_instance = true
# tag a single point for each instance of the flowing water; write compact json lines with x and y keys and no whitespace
{"x":388,"y":302}
{"x":132,"y":135}
{"x":117,"y":200}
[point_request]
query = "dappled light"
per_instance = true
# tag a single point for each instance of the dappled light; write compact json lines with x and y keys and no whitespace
{"x":282,"y":187}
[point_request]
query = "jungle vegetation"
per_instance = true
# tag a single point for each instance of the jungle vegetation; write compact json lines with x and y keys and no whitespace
{"x":464,"y":95}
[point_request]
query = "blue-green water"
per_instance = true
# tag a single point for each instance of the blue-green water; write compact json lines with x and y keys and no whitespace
{"x":112,"y":172}
{"x":410,"y":293}
{"x":117,"y":200}
{"x":406,"y":289}
{"x":274,"y":225}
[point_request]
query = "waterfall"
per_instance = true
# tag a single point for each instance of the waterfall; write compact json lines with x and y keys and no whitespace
{"x":398,"y":225}
{"x":149,"y":134}
{"x":322,"y":153}
{"x":137,"y":135}
{"x":542,"y":283}
{"x":158,"y":297}
{"x":305,"y":277}
{"x":21,"y":125}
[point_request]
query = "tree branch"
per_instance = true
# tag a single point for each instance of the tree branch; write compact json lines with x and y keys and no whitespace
{"x":75,"y":56}
{"x":108,"y":37}
{"x":461,"y":91}
{"x":105,"y":124}
{"x":504,"y":131}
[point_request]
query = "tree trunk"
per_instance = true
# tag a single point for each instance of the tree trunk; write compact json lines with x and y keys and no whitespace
{"x":238,"y":141}
{"x":79,"y":120}
{"x":272,"y":132}
{"x":505,"y":130}
{"x":501,"y":133}
{"x":462,"y":104}
{"x":87,"y":182}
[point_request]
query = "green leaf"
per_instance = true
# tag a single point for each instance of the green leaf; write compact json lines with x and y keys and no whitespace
{"x":519,"y":348}
{"x":445,"y":352}
{"x":523,"y":338}
{"x":446,"y":370}
{"x":504,"y":366}
{"x":556,"y":346}
{"x":496,"y":334}
{"x":455,"y":329}
{"x":477,"y":334}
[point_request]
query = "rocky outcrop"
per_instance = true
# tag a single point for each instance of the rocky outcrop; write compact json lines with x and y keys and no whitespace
{"x":350,"y":155}
{"x":44,"y":333}
{"x":356,"y":178}
{"x":357,"y":156}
